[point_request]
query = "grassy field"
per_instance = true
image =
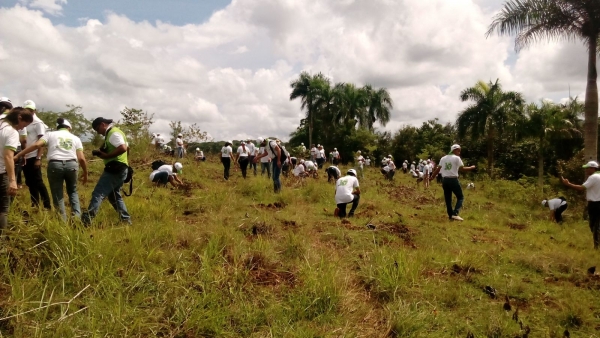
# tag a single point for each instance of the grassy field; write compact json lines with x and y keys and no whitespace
{"x":231,"y":259}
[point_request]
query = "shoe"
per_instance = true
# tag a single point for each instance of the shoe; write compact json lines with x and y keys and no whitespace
{"x":457,"y":218}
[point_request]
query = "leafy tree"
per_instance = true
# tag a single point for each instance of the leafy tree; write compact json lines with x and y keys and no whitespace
{"x":309,"y":90}
{"x":176,"y":129}
{"x":81,"y":126}
{"x":492,"y":112}
{"x":379,"y":106}
{"x":136,"y":123}
{"x":534,"y":20}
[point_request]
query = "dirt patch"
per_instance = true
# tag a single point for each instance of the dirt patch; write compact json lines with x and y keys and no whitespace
{"x":257,"y":229}
{"x":287,"y":223}
{"x":272,"y":206}
{"x":401,"y":231}
{"x":187,"y":188}
{"x":463,"y":270}
{"x":517,"y":226}
{"x":265,"y":272}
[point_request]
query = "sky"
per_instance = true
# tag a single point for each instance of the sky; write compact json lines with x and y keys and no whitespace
{"x":227,"y":65}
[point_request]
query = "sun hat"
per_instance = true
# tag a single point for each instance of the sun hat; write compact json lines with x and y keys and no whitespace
{"x":591,"y":164}
{"x":544,"y":202}
{"x":178,"y":166}
{"x":100,"y":120}
{"x":29,"y":104}
{"x":352,"y":171}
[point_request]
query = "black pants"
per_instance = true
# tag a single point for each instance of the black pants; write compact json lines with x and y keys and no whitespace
{"x":320,"y":162}
{"x":342,"y":207}
{"x":226,"y":165}
{"x":35,"y":183}
{"x":451,"y":185}
{"x":285,"y":169}
{"x":331,"y":174}
{"x":252,"y":164}
{"x":558,"y":213}
{"x":243,"y":165}
{"x":5,"y":201}
{"x":594,"y":219}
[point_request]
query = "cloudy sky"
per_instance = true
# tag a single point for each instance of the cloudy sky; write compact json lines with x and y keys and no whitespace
{"x":227,"y":65}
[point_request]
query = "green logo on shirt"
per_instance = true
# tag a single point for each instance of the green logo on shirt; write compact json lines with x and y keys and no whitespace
{"x":448,"y":166}
{"x":66,"y":144}
{"x":343,"y":182}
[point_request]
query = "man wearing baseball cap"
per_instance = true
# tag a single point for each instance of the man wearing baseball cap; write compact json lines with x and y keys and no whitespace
{"x":114,"y":154}
{"x":347,"y":191}
{"x":592,"y":193}
{"x":32,"y":169}
{"x":277,"y":156}
{"x":450,"y":165}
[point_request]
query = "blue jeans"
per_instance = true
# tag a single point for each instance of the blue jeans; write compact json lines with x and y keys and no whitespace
{"x":180,"y":152}
{"x":452,"y":185}
{"x":59,"y":172}
{"x":276,"y":180}
{"x":109,"y":186}
{"x":265,"y":166}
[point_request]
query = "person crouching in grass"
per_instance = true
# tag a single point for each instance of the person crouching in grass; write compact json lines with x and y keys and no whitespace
{"x":347,"y":191}
{"x":333,"y":173}
{"x":167,"y":173}
{"x":592,"y":193}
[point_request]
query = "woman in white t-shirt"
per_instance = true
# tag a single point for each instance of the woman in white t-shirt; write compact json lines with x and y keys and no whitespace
{"x":18,"y":118}
{"x":226,"y":154}
{"x":243,"y":153}
{"x":167,"y":173}
{"x":65,"y":156}
{"x":360,"y":163}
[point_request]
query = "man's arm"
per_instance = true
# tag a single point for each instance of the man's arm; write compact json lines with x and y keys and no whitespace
{"x":118,"y":151}
{"x":10,"y":171}
{"x":278,"y":153}
{"x":436,"y":171}
{"x":36,"y":146}
{"x":83,"y":165}
{"x":571,"y":185}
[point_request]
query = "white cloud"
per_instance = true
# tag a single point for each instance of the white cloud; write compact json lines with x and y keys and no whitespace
{"x":52,"y":7}
{"x":231,"y":74}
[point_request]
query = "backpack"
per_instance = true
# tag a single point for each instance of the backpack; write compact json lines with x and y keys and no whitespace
{"x":283,"y":155}
{"x":157,"y":164}
{"x":129,"y":179}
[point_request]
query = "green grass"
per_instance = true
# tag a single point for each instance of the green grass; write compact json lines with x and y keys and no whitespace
{"x":215,"y":260}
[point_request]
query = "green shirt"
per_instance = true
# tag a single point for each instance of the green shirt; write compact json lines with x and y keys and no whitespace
{"x":110,"y":147}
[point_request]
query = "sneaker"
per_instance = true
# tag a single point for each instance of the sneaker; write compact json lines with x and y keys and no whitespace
{"x":457,"y":218}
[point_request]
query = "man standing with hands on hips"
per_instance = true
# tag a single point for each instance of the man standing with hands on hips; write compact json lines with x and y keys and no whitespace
{"x":450,"y":165}
{"x":114,"y":154}
{"x":592,"y":193}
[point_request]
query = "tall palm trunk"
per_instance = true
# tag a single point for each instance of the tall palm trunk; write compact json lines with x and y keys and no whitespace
{"x":541,"y":166}
{"x":490,"y":152}
{"x":310,"y":128}
{"x":591,"y":104}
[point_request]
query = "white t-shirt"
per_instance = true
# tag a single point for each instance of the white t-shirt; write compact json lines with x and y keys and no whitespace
{"x":427,"y":169}
{"x":450,"y":165}
{"x":116,"y":139}
{"x":310,"y":165}
{"x":199,"y":153}
{"x":265,"y":159}
{"x":62,"y":145}
{"x":243,"y":151}
{"x":412,"y":167}
{"x":555,"y":203}
{"x":32,"y":131}
{"x":386,"y":169}
{"x":344,"y":188}
{"x":368,"y":162}
{"x":273,"y":145}
{"x":298,"y":170}
{"x":179,"y":142}
{"x":336,"y":154}
{"x":9,"y":139}
{"x":168,"y":168}
{"x":226,"y":151}
{"x":592,"y":187}
{"x":404,"y":165}
{"x":313,"y":152}
{"x":160,"y":139}
{"x":339,"y":173}
{"x":251,"y":149}
{"x":321,"y":153}
{"x":391,"y":165}
{"x":361,"y":160}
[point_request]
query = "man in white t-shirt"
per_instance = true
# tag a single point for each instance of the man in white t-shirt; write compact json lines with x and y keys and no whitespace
{"x":167,"y":173}
{"x":33,"y":161}
{"x":278,"y":157}
{"x":368,"y":162}
{"x":313,"y":153}
{"x":300,"y":170}
{"x":311,"y":168}
{"x":557,"y":206}
{"x":347,"y":191}
{"x":179,"y":144}
{"x":405,"y":166}
{"x":333,"y":173}
{"x":360,"y":163}
{"x":449,"y":166}
{"x":592,"y":193}
{"x":243,"y":154}
{"x":199,"y":155}
{"x":251,"y":154}
{"x":426,"y":174}
{"x":320,"y":156}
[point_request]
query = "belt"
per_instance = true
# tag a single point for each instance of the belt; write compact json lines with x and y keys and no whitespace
{"x":450,"y":176}
{"x":63,"y":161}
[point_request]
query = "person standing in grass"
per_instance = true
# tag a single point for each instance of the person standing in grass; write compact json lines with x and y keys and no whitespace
{"x":243,"y":154}
{"x":114,"y":153}
{"x":33,"y":161}
{"x":360,"y":163}
{"x":347,"y":191}
{"x":277,"y":155}
{"x":18,"y":118}
{"x":557,"y":206}
{"x":65,"y":156}
{"x":265,"y":162}
{"x":251,"y":154}
{"x":592,"y":193}
{"x":167,"y":173}
{"x":368,"y":162}
{"x":449,"y":166}
{"x":226,"y":154}
{"x":405,"y":166}
{"x":313,"y":153}
{"x":179,"y":144}
{"x":426,"y":174}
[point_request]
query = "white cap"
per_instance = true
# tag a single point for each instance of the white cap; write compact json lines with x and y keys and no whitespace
{"x":454,"y":147}
{"x":591,"y":164}
{"x":66,"y":123}
{"x":358,"y":152}
{"x":178,"y":166}
{"x":302,"y":161}
{"x":197,"y":149}
{"x":544,"y":202}
{"x":29,"y":104}
{"x":352,"y":171}
{"x":260,"y":140}
{"x":6,"y":101}
{"x":180,"y":135}
{"x":334,"y":148}
{"x":301,"y":143}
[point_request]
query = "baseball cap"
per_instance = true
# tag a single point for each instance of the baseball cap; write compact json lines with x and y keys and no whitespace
{"x":29,"y":104}
{"x":260,"y":140}
{"x":180,"y":135}
{"x":100,"y":120}
{"x":454,"y":147}
{"x":63,"y":122}
{"x":352,"y":171}
{"x":591,"y":164}
{"x":544,"y":202}
{"x":178,"y":167}
{"x":5,"y":102}
{"x":197,"y":149}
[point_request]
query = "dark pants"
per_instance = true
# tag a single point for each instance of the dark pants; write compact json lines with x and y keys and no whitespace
{"x":5,"y":201}
{"x":109,"y":187}
{"x":439,"y":178}
{"x":558,"y":213}
{"x":335,"y":161}
{"x":162,"y":178}
{"x":452,"y":186}
{"x":276,"y":180}
{"x":285,"y":169}
{"x":320,"y":162}
{"x":594,"y":219}
{"x":265,"y":166}
{"x":331,"y":174}
{"x":342,"y":207}
{"x":243,"y":165}
{"x":252,"y":164}
{"x":35,"y":183}
{"x":226,"y":165}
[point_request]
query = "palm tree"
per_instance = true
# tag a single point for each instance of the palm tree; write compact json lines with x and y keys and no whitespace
{"x":533,"y":20}
{"x":309,"y":88}
{"x":379,"y":106}
{"x":492,"y":112}
{"x":349,"y":105}
{"x":544,"y":121}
